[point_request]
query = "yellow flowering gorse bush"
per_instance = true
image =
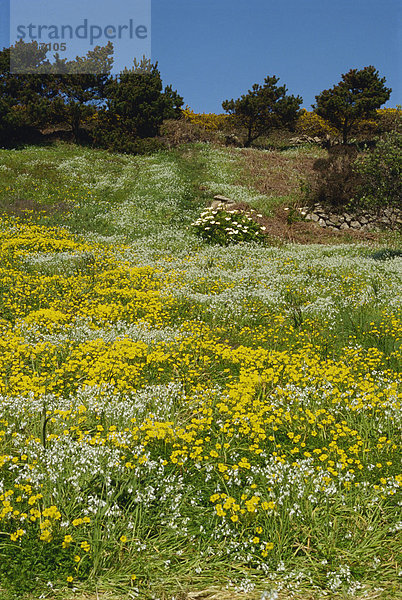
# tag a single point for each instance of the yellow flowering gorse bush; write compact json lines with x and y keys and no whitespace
{"x":208,"y":121}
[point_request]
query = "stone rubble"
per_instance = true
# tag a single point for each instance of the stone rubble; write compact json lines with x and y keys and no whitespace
{"x":387,"y":218}
{"x":222,"y":202}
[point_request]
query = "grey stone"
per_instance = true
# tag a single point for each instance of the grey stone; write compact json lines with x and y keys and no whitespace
{"x":224,"y":199}
{"x":389,"y":217}
{"x":232,"y":140}
{"x":216,"y":204}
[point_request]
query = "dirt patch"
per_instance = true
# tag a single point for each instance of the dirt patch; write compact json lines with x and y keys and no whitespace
{"x":275,"y":173}
{"x":25,"y":207}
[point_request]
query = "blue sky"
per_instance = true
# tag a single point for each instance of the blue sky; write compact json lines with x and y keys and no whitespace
{"x":212,"y":50}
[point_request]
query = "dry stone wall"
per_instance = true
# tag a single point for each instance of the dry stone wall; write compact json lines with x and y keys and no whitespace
{"x":388,"y":218}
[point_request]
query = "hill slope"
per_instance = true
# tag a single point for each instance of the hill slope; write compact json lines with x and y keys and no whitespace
{"x":180,"y":418}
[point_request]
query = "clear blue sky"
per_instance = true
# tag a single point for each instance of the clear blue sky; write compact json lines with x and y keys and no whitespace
{"x":212,"y":50}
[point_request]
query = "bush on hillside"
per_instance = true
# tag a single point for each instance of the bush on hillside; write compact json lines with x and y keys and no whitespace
{"x":178,"y":132}
{"x":335,"y":182}
{"x":381,"y":173}
{"x":389,"y":119}
{"x":384,"y":120}
{"x":208,"y":121}
{"x":366,"y":180}
{"x":109,"y":134}
{"x":386,"y":254}
{"x":224,"y":227}
{"x":311,"y":124}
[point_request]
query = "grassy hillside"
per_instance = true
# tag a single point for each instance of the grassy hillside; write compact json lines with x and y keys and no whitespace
{"x":184,"y":420}
{"x":110,"y":194}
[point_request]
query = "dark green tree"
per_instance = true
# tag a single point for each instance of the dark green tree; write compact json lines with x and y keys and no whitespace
{"x":356,"y":97}
{"x":263,"y":108}
{"x":35,"y":92}
{"x":172,"y":103}
{"x":25,"y":93}
{"x":127,"y":107}
{"x":136,"y":107}
{"x":81,"y":85}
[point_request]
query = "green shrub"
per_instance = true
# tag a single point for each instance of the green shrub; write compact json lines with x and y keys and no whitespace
{"x":381,"y":172}
{"x":386,"y":254}
{"x":335,"y":182}
{"x":219,"y":226}
{"x":389,"y":119}
{"x":118,"y":139}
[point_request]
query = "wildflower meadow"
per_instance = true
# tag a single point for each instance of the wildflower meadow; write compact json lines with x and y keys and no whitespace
{"x":179,"y":417}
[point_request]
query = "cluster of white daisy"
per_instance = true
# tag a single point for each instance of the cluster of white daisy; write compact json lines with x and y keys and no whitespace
{"x":228,"y":226}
